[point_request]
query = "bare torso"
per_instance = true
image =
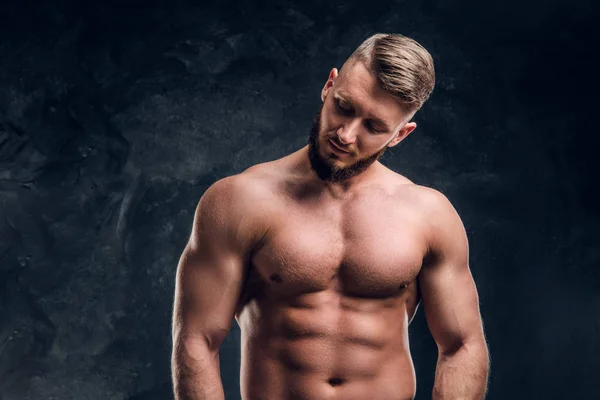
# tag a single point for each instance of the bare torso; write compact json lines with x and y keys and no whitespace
{"x":331,"y":289}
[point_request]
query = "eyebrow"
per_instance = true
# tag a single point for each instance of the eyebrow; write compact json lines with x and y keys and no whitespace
{"x":377,"y":121}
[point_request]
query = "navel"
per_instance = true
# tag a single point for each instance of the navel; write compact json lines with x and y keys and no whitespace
{"x":335,"y":381}
{"x":275,"y":278}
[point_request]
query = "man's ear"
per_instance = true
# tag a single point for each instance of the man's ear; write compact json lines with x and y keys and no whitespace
{"x":403,"y":133}
{"x":329,"y":84}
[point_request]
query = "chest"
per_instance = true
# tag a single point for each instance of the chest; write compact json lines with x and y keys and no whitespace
{"x":369,"y":248}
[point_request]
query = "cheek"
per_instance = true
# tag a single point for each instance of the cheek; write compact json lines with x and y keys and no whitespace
{"x":330,"y":121}
{"x":373,"y":143}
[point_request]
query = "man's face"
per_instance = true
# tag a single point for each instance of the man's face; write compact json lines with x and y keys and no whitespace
{"x":357,"y":122}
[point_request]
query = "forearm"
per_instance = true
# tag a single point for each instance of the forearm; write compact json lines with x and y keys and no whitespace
{"x":196,"y":374}
{"x":462,"y":374}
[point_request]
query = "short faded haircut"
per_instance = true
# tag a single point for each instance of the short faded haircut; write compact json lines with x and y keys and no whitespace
{"x":402,"y":66}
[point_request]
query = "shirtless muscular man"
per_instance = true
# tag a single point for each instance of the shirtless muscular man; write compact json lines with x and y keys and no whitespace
{"x":323,"y":256}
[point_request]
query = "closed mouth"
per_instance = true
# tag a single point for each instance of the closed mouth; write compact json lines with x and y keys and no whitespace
{"x":338,"y":147}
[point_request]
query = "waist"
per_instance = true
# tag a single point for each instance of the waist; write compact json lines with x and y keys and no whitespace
{"x":325,"y":368}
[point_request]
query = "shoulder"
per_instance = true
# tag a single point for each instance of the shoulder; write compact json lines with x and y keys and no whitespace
{"x":421,"y":198}
{"x":443,"y":226}
{"x":240,"y":190}
{"x":432,"y":202}
{"x":234,"y":208}
{"x":436,"y":214}
{"x":418,"y":196}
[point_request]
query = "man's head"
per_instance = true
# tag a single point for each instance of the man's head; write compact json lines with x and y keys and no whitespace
{"x":368,"y":105}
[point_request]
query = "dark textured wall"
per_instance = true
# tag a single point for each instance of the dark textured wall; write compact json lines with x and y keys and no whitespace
{"x":115,"y":116}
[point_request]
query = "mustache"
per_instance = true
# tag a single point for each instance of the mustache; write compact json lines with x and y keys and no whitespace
{"x":335,"y":141}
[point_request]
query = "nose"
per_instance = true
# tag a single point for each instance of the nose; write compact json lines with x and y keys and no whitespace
{"x":347,"y":132}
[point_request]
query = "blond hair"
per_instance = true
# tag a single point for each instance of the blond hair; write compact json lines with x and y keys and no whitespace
{"x":402,"y":66}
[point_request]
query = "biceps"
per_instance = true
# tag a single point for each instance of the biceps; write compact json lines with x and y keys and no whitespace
{"x":451,"y":305}
{"x":208,"y":286}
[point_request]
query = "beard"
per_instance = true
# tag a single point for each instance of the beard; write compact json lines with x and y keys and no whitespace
{"x":327,"y":170}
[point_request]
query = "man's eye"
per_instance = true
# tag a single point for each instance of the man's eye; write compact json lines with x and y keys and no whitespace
{"x":371,"y":128}
{"x":342,"y":109}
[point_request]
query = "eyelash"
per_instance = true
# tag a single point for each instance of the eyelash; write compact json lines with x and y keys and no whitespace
{"x":370,"y":127}
{"x":346,"y":111}
{"x":342,"y":110}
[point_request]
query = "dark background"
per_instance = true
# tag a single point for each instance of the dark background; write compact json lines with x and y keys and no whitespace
{"x":116,"y":116}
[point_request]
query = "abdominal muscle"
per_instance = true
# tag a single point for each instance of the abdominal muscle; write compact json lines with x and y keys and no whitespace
{"x":326,"y":346}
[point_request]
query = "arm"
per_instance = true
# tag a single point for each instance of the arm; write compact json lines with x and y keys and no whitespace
{"x":451,"y":307}
{"x":209,"y":281}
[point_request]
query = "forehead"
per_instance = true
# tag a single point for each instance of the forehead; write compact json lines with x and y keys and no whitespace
{"x":358,"y":85}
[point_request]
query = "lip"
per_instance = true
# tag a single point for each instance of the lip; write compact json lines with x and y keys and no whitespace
{"x":335,"y":147}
